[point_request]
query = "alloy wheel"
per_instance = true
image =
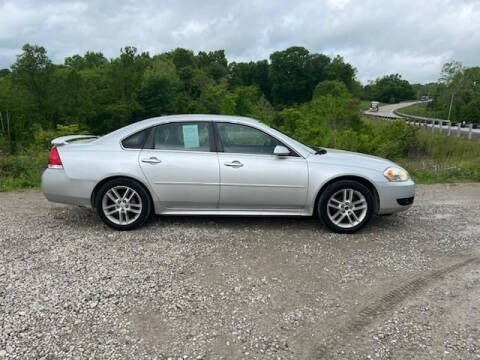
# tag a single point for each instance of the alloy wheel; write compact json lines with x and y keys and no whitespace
{"x":347,"y":208}
{"x":122,"y":205}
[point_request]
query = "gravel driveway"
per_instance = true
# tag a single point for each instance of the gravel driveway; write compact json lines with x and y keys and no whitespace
{"x":408,"y":286}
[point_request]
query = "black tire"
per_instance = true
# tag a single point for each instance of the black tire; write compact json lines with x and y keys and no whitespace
{"x":146,"y":203}
{"x":335,"y":188}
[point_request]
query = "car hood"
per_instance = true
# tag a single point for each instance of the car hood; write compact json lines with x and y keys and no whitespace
{"x":351,"y":159}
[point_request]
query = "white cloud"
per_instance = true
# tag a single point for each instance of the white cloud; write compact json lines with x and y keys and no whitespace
{"x":407,"y":37}
{"x":337,"y":4}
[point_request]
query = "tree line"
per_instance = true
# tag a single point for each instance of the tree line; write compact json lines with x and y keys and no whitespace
{"x":90,"y":93}
{"x":100,"y":94}
{"x":312,"y":97}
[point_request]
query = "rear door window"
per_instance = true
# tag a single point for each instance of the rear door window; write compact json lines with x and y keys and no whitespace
{"x":183,"y":136}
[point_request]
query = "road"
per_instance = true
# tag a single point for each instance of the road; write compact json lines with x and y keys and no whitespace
{"x":388,"y":110}
{"x":407,"y":286}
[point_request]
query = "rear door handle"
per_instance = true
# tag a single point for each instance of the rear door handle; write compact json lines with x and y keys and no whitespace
{"x":152,"y":160}
{"x":234,"y":164}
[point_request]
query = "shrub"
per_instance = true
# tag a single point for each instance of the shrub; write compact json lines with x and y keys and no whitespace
{"x":42,"y":138}
{"x":22,"y":171}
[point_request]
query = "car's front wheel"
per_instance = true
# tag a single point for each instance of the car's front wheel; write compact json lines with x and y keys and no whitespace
{"x":346,"y":206}
{"x":123,"y":204}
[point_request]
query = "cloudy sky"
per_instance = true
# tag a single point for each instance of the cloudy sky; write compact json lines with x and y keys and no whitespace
{"x":410,"y":37}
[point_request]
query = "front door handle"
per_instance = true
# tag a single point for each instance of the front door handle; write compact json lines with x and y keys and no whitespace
{"x":152,"y":160}
{"x":235,"y":164}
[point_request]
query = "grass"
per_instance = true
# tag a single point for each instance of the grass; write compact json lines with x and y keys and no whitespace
{"x":432,"y":172}
{"x":19,"y":172}
{"x":364,"y":105}
{"x":423,"y":110}
{"x":438,"y":158}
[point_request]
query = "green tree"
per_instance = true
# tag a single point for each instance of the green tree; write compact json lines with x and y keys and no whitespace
{"x":319,"y":64}
{"x":470,"y":112}
{"x":450,"y":70}
{"x":331,"y":87}
{"x":162,"y":90}
{"x":183,"y":58}
{"x":32,"y":73}
{"x":88,"y":61}
{"x":340,"y":70}
{"x":124,"y":79}
{"x":213,"y":63}
{"x":291,"y":75}
{"x":251,"y":73}
{"x":390,"y":89}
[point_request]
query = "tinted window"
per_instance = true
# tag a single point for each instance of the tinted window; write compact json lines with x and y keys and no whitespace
{"x":136,"y":140}
{"x":183,"y":136}
{"x":244,"y":139}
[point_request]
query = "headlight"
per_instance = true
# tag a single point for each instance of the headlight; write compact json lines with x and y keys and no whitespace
{"x":396,"y":174}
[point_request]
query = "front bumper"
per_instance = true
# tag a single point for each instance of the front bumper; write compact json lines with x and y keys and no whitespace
{"x":58,"y":187}
{"x":395,"y":196}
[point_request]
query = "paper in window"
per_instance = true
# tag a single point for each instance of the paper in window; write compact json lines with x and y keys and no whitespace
{"x":190,"y":136}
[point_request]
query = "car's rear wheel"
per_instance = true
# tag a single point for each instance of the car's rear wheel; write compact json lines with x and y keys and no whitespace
{"x":346,"y":206}
{"x":123,"y":204}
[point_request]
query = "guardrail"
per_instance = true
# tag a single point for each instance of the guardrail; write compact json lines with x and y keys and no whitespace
{"x":378,"y":116}
{"x":470,"y":131}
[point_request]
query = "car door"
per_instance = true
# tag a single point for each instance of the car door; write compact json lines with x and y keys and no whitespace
{"x":252,"y":178}
{"x":181,"y":166}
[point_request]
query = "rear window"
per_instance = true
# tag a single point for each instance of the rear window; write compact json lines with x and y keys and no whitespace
{"x":136,"y":141}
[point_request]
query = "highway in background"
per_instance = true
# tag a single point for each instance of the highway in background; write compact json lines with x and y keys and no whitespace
{"x":388,"y":110}
{"x":393,"y":111}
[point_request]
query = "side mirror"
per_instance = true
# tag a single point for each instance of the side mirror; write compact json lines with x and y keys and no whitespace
{"x":281,"y":151}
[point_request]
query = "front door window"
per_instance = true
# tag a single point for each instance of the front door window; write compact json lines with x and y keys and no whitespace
{"x":243,"y":139}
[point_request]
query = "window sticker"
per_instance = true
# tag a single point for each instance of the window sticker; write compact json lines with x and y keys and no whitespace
{"x":190,"y":136}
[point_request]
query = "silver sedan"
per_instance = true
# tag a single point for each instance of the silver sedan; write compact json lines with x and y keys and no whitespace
{"x":220,"y":165}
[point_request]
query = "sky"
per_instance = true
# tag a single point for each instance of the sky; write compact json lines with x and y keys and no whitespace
{"x":378,"y":37}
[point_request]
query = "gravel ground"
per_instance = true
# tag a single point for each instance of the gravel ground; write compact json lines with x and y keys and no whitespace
{"x":407,"y":286}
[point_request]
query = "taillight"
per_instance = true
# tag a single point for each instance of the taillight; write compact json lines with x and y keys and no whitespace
{"x":54,"y":160}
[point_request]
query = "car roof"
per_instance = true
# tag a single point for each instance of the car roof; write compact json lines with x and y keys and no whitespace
{"x":191,"y":117}
{"x":143,"y":124}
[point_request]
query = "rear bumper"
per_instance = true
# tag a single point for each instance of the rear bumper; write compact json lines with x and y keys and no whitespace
{"x":395,"y":197}
{"x":57,"y":187}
